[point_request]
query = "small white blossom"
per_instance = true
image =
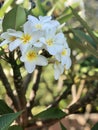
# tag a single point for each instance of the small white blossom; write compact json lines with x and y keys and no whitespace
{"x":58,"y":70}
{"x":31,"y":58}
{"x":10,"y":39}
{"x":43,"y":22}
{"x":26,"y":38}
{"x":53,"y":42}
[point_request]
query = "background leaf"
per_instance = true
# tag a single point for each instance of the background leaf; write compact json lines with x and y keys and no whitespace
{"x":62,"y":126}
{"x":95,"y":127}
{"x":4,"y":108}
{"x":14,"y":127}
{"x":14,"y":18}
{"x":7,"y":119}
{"x":51,"y":113}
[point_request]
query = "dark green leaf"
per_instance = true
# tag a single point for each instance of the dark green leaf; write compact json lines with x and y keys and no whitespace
{"x":82,"y":35}
{"x":85,"y":25}
{"x":64,"y":18}
{"x":51,"y":113}
{"x":62,"y":126}
{"x":14,"y":19}
{"x":85,"y":42}
{"x":7,"y":119}
{"x":95,"y":127}
{"x":4,"y":108}
{"x":15,"y":127}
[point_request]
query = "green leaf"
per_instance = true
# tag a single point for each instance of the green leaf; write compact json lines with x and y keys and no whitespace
{"x":14,"y":19}
{"x":64,"y":18}
{"x":86,"y":40}
{"x":95,"y":127}
{"x":15,"y":127}
{"x":4,"y":108}
{"x":82,"y":35}
{"x":51,"y":113}
{"x":85,"y":25}
{"x":7,"y":119}
{"x":62,"y":126}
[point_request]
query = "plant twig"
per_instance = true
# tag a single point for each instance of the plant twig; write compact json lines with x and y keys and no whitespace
{"x":90,"y":96}
{"x":18,"y":82}
{"x":35,"y":88}
{"x":8,"y":89}
{"x":26,"y":82}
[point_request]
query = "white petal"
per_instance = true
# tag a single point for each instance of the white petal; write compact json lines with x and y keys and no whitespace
{"x":29,"y":67}
{"x":4,"y":42}
{"x":45,"y":18}
{"x":68,"y":64}
{"x":13,"y":45}
{"x":53,"y":50}
{"x":33,"y":19}
{"x":59,"y":38}
{"x":59,"y":69}
{"x":41,"y":60}
{"x":16,"y":34}
{"x":27,"y":28}
{"x":5,"y":35}
{"x":23,"y":58}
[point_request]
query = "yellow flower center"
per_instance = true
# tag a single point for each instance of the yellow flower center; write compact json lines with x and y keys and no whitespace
{"x":49,"y":42}
{"x":31,"y":55}
{"x":63,"y":52}
{"x":38,"y":26}
{"x":13,"y":38}
{"x":26,"y":38}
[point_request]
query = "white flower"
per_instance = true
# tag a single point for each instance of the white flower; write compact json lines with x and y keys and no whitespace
{"x":63,"y":56}
{"x":26,"y":38}
{"x":58,"y":70}
{"x":53,"y":42}
{"x":9,"y":39}
{"x":31,"y":58}
{"x":43,"y":22}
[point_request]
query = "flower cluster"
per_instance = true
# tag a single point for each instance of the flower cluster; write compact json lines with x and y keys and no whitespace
{"x":40,"y":34}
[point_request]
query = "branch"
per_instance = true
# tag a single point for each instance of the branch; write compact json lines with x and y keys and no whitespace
{"x":8,"y":88}
{"x":26,"y":82}
{"x":90,"y":96}
{"x":62,"y":96}
{"x":35,"y":87}
{"x":18,"y":82}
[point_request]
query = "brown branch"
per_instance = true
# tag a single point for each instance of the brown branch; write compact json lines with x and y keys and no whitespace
{"x":8,"y":88}
{"x":90,"y":96}
{"x":18,"y":83}
{"x":35,"y":88}
{"x":26,"y":82}
{"x":62,"y":96}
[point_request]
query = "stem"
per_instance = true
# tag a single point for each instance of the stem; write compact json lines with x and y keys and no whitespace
{"x":8,"y":88}
{"x":26,"y":82}
{"x":35,"y":88}
{"x":18,"y":82}
{"x":90,"y":96}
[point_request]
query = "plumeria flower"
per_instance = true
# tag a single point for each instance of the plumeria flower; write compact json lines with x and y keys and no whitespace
{"x":43,"y":22}
{"x":58,"y":70}
{"x":9,"y":39}
{"x":31,"y":58}
{"x":26,"y":38}
{"x":63,"y":56}
{"x":53,"y":42}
